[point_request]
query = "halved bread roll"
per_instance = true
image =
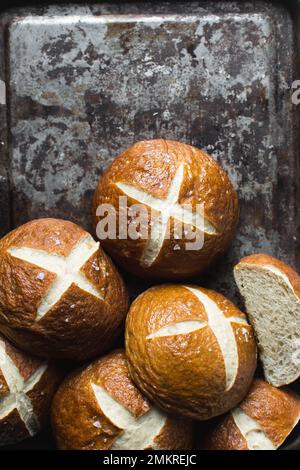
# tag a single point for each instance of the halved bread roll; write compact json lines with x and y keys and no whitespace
{"x":271,"y":291}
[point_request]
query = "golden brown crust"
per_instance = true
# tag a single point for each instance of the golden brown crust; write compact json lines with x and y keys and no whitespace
{"x":41,"y":395}
{"x":176,"y":434}
{"x":26,"y":364}
{"x":224,"y":435}
{"x":185,"y":373}
{"x":277,"y":411}
{"x":151,"y":166}
{"x":58,"y":236}
{"x":80,"y":325}
{"x":260,"y":259}
{"x":12,"y":427}
{"x":79,"y":422}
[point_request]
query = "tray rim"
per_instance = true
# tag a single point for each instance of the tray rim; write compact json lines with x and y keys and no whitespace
{"x":8,"y":8}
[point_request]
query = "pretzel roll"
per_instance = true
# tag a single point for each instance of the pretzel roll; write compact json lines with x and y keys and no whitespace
{"x":27,"y":386}
{"x":99,"y":408}
{"x":262,"y":421}
{"x":60,"y":295}
{"x":186,"y":215}
{"x":190,"y":350}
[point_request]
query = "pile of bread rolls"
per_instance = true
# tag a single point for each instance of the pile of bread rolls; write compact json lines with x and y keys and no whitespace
{"x":189,"y":354}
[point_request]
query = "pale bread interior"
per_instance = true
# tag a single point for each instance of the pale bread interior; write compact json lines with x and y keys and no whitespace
{"x":138,"y":433}
{"x":274,"y":312}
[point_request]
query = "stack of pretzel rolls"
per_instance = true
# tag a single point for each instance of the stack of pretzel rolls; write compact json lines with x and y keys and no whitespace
{"x":142,"y":370}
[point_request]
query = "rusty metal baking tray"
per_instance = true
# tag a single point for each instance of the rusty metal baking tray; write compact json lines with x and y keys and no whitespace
{"x":81,"y":83}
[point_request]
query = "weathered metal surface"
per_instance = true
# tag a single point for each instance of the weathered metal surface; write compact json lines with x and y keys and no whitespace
{"x":84,"y":83}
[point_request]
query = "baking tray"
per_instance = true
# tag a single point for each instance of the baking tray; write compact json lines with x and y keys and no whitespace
{"x":82,"y":82}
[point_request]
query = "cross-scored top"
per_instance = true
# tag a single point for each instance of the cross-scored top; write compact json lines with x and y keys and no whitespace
{"x":17,"y":398}
{"x":167,"y":208}
{"x":138,"y":433}
{"x":221,"y":327}
{"x":67,"y":269}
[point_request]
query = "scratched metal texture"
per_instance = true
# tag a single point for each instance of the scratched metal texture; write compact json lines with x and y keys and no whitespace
{"x":85,"y":82}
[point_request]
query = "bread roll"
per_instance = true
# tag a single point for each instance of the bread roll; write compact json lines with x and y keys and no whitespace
{"x":271,"y":291}
{"x":190,"y":350}
{"x":60,"y":295}
{"x":27,"y":386}
{"x":262,"y":421}
{"x":99,"y":408}
{"x":168,"y":180}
